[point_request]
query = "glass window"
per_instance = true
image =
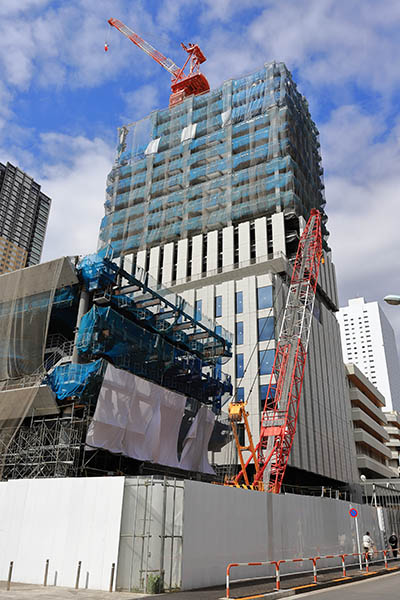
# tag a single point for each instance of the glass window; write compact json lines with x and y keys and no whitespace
{"x":266,"y":361}
{"x":264,"y":297}
{"x":239,"y":365}
{"x":240,"y":394}
{"x":239,"y":333}
{"x":263,"y":396}
{"x":239,"y":302}
{"x":218,"y":329}
{"x":197,"y":310}
{"x":218,"y":306}
{"x":266,"y":329}
{"x":317,"y":310}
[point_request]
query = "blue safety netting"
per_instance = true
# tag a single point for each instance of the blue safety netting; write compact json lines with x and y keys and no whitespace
{"x":73,"y":379}
{"x":106,"y":333}
{"x":240,"y":142}
{"x":95,"y":271}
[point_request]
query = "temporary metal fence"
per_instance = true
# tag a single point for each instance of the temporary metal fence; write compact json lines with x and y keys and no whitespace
{"x":314,"y":560}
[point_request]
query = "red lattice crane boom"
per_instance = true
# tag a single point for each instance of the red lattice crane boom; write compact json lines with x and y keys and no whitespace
{"x":279,"y":417}
{"x":182,"y":84}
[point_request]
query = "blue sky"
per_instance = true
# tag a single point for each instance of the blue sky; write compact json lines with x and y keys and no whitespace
{"x":62,"y":98}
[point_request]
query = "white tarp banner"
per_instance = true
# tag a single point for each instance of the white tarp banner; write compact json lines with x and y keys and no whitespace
{"x":137,"y":418}
{"x":194,"y":453}
{"x":152,"y":147}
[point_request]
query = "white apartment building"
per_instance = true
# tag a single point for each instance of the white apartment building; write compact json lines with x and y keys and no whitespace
{"x":368,"y":341}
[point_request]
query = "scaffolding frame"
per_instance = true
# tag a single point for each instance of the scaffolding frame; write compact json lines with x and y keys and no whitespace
{"x":46,"y":447}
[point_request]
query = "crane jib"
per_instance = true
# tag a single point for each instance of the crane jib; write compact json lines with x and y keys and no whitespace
{"x":165,"y":62}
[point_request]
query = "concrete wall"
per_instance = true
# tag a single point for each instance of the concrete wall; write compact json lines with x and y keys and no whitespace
{"x":65,"y":521}
{"x":223,"y":525}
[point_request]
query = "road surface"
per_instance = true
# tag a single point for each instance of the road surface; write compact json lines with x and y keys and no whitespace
{"x":387,"y":586}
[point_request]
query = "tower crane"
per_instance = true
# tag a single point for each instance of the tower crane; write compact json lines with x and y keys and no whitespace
{"x":182,"y":84}
{"x":279,"y":417}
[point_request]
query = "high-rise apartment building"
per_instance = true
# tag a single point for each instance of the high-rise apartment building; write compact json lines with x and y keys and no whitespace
{"x":210,"y":196}
{"x":368,"y":341}
{"x":24,"y":212}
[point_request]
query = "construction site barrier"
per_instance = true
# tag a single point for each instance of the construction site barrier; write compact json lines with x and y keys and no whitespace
{"x":313,"y":559}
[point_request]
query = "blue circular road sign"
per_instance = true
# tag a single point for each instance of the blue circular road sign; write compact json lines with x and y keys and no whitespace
{"x":353,"y":512}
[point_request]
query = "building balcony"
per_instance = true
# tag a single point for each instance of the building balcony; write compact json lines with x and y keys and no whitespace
{"x":360,"y":383}
{"x":375,"y":428}
{"x":393,"y":419}
{"x":358,"y":398}
{"x":372,"y":468}
{"x":393,"y":432}
{"x":366,"y":438}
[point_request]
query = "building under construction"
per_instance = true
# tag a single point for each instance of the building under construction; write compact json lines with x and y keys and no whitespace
{"x":210,"y":197}
{"x":94,"y":360}
{"x":114,"y":364}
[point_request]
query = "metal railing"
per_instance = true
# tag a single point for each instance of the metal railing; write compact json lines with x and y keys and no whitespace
{"x":364,"y":556}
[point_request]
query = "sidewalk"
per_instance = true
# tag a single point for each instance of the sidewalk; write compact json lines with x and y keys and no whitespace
{"x":25,"y":591}
{"x":290,"y":585}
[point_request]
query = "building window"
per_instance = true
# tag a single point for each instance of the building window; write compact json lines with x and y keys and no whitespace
{"x":239,"y":302}
{"x":239,"y":365}
{"x":266,"y":361}
{"x":218,"y":306}
{"x":197,"y":310}
{"x":241,"y":433}
{"x":263,"y":397}
{"x":239,"y":333}
{"x":240,"y":394}
{"x":264,"y":297}
{"x":265,"y":329}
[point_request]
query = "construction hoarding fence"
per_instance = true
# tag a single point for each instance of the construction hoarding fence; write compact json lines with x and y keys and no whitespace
{"x":168,"y":534}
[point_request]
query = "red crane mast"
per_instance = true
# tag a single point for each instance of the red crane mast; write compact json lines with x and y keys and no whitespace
{"x":182,"y":84}
{"x":279,"y":417}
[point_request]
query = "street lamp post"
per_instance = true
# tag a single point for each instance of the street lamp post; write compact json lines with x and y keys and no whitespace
{"x":392,"y":299}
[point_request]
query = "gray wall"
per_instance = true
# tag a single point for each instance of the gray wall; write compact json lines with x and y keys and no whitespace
{"x":214,"y":525}
{"x":224,"y":525}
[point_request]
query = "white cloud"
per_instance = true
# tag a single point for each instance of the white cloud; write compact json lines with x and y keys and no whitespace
{"x":63,"y":44}
{"x":328,"y":42}
{"x":224,"y":10}
{"x":11,"y":7}
{"x":362,"y":189}
{"x":76,"y":183}
{"x":140,"y":103}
